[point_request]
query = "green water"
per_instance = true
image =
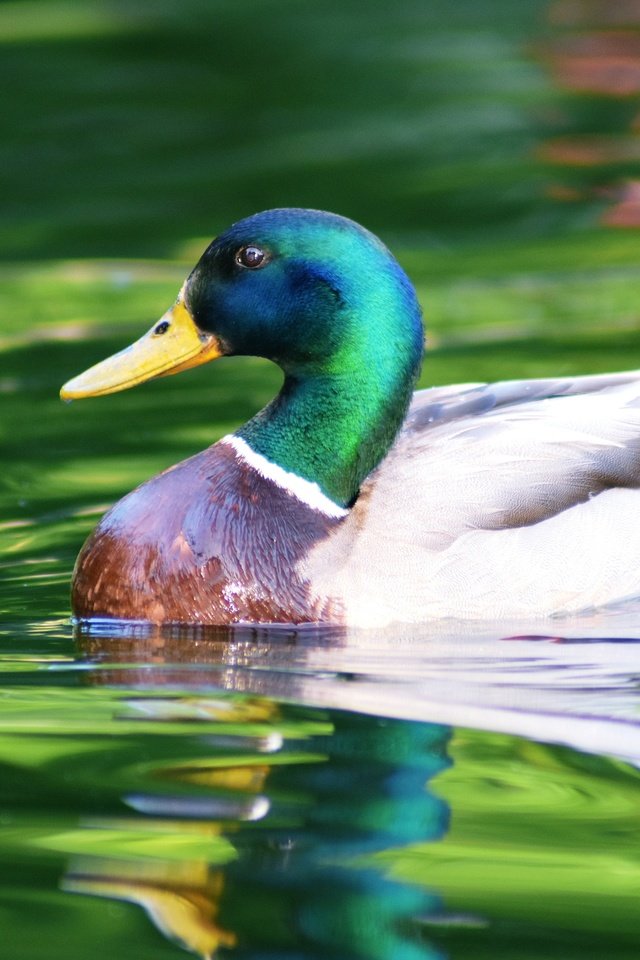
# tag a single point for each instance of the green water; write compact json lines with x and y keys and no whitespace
{"x":431,"y":793}
{"x":283,"y":830}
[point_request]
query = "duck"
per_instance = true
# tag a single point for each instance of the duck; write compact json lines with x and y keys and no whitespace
{"x":350,"y":499}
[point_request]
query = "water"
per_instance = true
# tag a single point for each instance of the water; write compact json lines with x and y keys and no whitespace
{"x":450,"y":791}
{"x":282,"y":793}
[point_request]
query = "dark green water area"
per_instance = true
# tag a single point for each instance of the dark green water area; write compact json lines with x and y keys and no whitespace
{"x":447,"y":791}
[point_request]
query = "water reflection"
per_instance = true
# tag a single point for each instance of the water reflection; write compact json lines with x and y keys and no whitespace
{"x":577,"y":686}
{"x":163,"y":774}
{"x":290,"y":809}
{"x":269,"y":829}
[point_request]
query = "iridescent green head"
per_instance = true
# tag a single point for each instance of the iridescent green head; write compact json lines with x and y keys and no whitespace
{"x":325,"y":300}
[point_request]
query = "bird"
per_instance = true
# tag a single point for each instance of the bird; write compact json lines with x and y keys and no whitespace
{"x":350,"y":499}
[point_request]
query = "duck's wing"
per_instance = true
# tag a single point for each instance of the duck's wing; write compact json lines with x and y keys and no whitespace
{"x":438,"y":405}
{"x":509,"y":454}
{"x":508,"y":499}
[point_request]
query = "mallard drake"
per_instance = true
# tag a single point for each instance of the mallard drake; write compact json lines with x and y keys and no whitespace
{"x":350,"y":498}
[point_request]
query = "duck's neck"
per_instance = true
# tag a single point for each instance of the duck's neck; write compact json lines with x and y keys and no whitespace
{"x":332,"y":428}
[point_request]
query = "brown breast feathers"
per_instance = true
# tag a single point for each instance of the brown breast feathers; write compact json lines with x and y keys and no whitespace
{"x":208,"y":541}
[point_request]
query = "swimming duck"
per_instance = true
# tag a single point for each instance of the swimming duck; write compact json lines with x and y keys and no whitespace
{"x":350,"y":498}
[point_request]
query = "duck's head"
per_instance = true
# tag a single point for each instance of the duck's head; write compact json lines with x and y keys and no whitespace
{"x":314,"y":292}
{"x":326,"y":301}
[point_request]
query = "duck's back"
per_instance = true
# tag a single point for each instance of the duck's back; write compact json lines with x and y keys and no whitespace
{"x":515,"y":499}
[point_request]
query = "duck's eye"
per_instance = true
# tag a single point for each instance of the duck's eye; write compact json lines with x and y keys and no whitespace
{"x":161,"y":328}
{"x":251,"y":257}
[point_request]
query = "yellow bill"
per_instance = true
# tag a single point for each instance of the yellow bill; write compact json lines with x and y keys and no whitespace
{"x":173,"y":344}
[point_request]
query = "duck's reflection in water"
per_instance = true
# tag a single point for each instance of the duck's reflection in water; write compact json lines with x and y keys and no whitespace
{"x":291,"y":806}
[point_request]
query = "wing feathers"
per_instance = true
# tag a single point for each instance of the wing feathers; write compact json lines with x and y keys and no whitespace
{"x":517,"y":462}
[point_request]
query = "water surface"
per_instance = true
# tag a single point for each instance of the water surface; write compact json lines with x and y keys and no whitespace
{"x":445,"y":792}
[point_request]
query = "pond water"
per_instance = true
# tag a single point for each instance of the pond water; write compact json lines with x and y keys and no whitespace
{"x":455,"y":791}
{"x":281,"y":793}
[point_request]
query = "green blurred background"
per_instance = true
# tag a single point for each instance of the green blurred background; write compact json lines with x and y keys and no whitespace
{"x":133,"y":127}
{"x":459,"y":132}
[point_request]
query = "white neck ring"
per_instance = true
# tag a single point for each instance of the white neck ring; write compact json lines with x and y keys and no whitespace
{"x":304,"y":490}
